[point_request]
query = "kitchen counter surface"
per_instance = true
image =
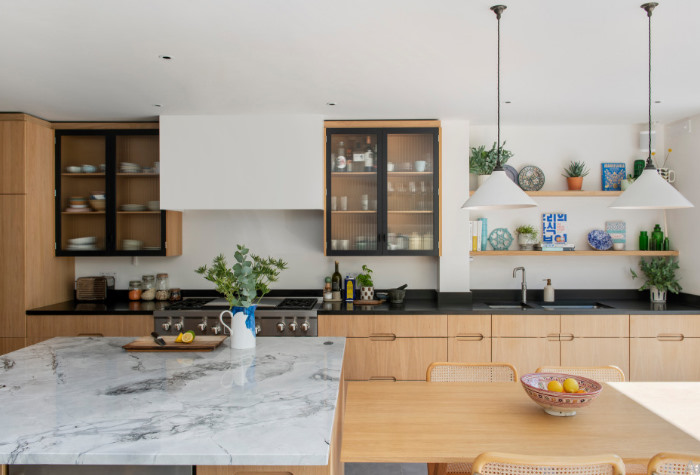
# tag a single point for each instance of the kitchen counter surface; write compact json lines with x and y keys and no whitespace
{"x":87,"y":401}
{"x":109,"y":307}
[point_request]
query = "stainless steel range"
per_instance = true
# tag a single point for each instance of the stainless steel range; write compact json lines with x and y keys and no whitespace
{"x":274,"y":316}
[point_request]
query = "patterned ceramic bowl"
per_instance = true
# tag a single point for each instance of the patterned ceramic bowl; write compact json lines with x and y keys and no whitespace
{"x":555,"y":403}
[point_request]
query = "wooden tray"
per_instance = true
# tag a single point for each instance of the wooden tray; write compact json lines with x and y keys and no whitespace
{"x":200,"y":343}
{"x":367,"y":302}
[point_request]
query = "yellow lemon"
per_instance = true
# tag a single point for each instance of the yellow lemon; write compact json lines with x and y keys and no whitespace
{"x":188,"y":337}
{"x":570,"y":385}
{"x":555,"y":386}
{"x":179,"y":338}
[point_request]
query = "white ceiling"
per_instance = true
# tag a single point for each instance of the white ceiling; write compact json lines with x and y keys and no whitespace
{"x":563,"y":61}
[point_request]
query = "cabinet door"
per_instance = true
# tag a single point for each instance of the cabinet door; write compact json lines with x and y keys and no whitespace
{"x":378,"y":326}
{"x":665,"y":358}
{"x":526,"y":354}
{"x":12,"y":158}
{"x":12,"y":269}
{"x":399,"y":359}
{"x":50,"y":326}
{"x":603,"y":326}
{"x":535,"y":326}
{"x":8,"y":345}
{"x":469,"y":338}
{"x":596,"y":352}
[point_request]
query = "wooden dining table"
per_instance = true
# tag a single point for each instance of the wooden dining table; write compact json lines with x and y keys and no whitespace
{"x":440,"y":423}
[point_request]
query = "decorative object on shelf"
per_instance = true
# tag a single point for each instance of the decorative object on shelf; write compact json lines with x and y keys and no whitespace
{"x":660,"y":273}
{"x":527,"y":237}
{"x":643,"y":241}
{"x":650,"y":190}
{"x":512,"y":173}
{"x":611,"y":176}
{"x":626,"y":182}
{"x":500,"y":239}
{"x":667,"y":174}
{"x":574,"y":174}
{"x":498,"y":192}
{"x":600,"y":240}
{"x":366,"y":284}
{"x":618,"y":232}
{"x":638,"y":168}
{"x":531,"y":178}
{"x":479,"y":231}
{"x":243,"y":285}
{"x":554,"y":228}
{"x":657,"y":239}
{"x":482,"y":161}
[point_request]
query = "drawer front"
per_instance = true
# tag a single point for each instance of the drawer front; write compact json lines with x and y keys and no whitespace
{"x":469,"y":349}
{"x":651,"y":326}
{"x":469,"y":326}
{"x":359,"y":326}
{"x":525,"y":325}
{"x":88,"y":325}
{"x":526,"y":354}
{"x":664,"y":360}
{"x":591,"y":326}
{"x":597,"y":352}
{"x":400,"y":359}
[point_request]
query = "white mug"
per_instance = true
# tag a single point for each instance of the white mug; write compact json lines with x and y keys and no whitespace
{"x":334,"y":203}
{"x":343,"y":203}
{"x":344,"y":244}
{"x":390,"y":166}
{"x":334,"y":244}
{"x":241,"y":336}
{"x":420,"y":165}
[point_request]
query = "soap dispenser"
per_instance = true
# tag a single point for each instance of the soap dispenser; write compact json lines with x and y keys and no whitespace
{"x":548,"y":291}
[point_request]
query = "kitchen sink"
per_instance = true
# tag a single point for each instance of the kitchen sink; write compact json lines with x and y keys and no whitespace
{"x":566,"y":306}
{"x":508,"y":306}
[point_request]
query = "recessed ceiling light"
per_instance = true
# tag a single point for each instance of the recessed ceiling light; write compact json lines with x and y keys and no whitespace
{"x":165,"y":57}
{"x":330,"y":103}
{"x":507,"y":102}
{"x":157,"y":105}
{"x":657,"y":102}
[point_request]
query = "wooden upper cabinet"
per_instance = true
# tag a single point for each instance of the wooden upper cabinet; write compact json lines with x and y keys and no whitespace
{"x":12,"y":160}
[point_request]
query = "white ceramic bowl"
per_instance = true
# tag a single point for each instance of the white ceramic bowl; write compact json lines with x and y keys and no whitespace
{"x":73,"y":169}
{"x":83,"y":240}
{"x":153,"y":205}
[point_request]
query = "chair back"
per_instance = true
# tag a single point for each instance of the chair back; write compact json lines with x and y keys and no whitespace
{"x":666,"y":463}
{"x":602,"y":374}
{"x":496,"y":463}
{"x":472,"y":372}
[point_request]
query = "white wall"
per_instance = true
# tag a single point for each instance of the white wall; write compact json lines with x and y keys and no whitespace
{"x":551,"y":148}
{"x":683,"y":137}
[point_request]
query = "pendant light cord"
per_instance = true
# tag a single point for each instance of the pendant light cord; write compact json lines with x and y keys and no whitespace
{"x":498,"y":9}
{"x":649,"y":7}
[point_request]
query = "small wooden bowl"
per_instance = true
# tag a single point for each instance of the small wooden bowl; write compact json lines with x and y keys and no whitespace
{"x":98,"y":205}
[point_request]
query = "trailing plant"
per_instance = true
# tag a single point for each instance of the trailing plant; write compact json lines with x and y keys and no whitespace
{"x":246,"y":282}
{"x":482,"y":161}
{"x":660,"y":272}
{"x":527,"y":229}
{"x":575,"y":169}
{"x":365,"y":280}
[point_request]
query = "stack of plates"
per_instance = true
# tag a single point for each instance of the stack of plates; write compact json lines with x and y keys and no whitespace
{"x":87,"y":243}
{"x":126,"y":167}
{"x":77,"y":204}
{"x":131,"y":244}
{"x":132,"y":207}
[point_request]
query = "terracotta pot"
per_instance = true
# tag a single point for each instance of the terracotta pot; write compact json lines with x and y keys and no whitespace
{"x":574,"y":182}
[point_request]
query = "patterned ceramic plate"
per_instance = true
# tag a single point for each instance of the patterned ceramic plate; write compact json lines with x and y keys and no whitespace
{"x":531,"y":178}
{"x":600,"y":240}
{"x":511,"y":172}
{"x":500,"y":239}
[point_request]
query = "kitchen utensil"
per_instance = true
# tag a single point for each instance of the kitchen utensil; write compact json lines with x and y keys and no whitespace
{"x":397,"y":295}
{"x":367,"y":302}
{"x":158,"y":339}
{"x":200,"y":343}
{"x":402,"y":287}
{"x":556,"y":403}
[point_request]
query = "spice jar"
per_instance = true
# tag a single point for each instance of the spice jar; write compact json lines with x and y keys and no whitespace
{"x":134,"y":290}
{"x":175,"y":295}
{"x":162,"y":287}
{"x":148,"y":287}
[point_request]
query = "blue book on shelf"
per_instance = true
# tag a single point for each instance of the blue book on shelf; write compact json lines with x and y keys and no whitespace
{"x":554,"y":228}
{"x":612,"y":175}
{"x":484,"y":234}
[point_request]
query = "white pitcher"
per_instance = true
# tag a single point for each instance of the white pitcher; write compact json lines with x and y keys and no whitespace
{"x":241,"y":336}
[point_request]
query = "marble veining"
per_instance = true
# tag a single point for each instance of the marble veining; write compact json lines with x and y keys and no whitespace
{"x":87,"y":401}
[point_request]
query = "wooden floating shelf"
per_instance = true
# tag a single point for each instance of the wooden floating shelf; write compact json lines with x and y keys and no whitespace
{"x":83,"y":174}
{"x":574,"y":253}
{"x":150,"y":175}
{"x":138,"y":212}
{"x":410,"y":173}
{"x":410,"y":212}
{"x":569,"y":194}
{"x":86,"y":213}
{"x":354,"y":173}
{"x":355,"y":212}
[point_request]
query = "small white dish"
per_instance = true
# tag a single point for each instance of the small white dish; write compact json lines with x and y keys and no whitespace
{"x":73,"y":169}
{"x":619,"y":246}
{"x":83,"y":240}
{"x":88,"y":169}
{"x":153,"y":205}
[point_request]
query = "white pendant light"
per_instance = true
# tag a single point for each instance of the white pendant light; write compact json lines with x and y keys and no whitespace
{"x":499,"y":191}
{"x":650,"y":190}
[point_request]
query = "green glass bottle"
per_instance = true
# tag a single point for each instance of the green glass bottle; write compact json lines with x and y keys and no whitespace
{"x":657,"y":238}
{"x":643,"y":241}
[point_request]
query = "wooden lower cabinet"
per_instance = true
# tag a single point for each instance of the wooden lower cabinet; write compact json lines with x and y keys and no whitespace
{"x":43,"y":327}
{"x":397,"y":359}
{"x":526,"y":354}
{"x":8,"y":345}
{"x":597,"y":352}
{"x":469,"y":338}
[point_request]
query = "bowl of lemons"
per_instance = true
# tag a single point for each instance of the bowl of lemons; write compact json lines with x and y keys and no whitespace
{"x":560,"y":394}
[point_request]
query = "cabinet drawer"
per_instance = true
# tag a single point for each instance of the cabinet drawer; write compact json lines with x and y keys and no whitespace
{"x":525,"y":325}
{"x":658,"y":360}
{"x":596,"y":352}
{"x":469,"y":326}
{"x":526,"y":354}
{"x":400,"y":359}
{"x":88,"y":325}
{"x":591,"y":326}
{"x":665,"y":326}
{"x":359,"y":326}
{"x":469,"y":349}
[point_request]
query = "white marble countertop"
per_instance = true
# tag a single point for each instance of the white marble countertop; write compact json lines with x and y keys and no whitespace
{"x":87,"y":401}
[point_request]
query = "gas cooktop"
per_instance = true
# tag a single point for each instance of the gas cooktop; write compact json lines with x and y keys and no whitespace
{"x":278,"y":303}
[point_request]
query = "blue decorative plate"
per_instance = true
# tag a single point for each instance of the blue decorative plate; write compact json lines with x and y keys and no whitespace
{"x":511,"y":172}
{"x":600,"y":240}
{"x":500,"y":239}
{"x":531,"y":178}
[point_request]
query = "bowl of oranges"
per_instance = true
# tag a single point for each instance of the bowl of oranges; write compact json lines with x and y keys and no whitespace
{"x":560,"y":394}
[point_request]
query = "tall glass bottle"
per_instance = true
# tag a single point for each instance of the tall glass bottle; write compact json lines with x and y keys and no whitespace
{"x":369,"y":156}
{"x":336,"y":279}
{"x":340,"y":160}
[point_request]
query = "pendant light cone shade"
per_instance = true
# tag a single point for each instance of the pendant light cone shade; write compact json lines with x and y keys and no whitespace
{"x":499,"y":192}
{"x":651,"y":191}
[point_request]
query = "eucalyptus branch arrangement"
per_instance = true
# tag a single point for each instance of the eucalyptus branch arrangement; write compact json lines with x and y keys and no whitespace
{"x":482,"y":161}
{"x":660,"y":272}
{"x":247,"y":281}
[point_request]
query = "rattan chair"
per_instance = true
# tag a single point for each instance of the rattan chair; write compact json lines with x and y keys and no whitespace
{"x":602,"y":374}
{"x":471,"y":373}
{"x":496,"y":463}
{"x":674,"y":464}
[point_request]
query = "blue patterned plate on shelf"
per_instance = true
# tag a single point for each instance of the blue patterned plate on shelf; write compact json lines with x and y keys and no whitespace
{"x":531,"y":178}
{"x":500,"y":239}
{"x":511,"y":173}
{"x":600,"y":240}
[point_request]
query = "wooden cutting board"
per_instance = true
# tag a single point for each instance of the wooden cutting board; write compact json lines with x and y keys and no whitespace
{"x":200,"y":343}
{"x":368,"y":302}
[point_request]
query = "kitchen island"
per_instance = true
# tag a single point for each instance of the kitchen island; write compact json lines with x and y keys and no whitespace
{"x":86,"y":401}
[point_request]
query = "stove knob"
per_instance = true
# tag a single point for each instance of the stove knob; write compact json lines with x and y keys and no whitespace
{"x":305,"y":327}
{"x":258,"y":329}
{"x":202,"y":326}
{"x":166,"y":326}
{"x":178,"y":326}
{"x":293,"y":326}
{"x":280,"y":327}
{"x":216,"y":330}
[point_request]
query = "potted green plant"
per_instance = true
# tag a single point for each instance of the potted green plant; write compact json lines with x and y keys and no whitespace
{"x":366,"y":284}
{"x":482,"y":161}
{"x":527,"y":237}
{"x":660,"y":273}
{"x":243,"y":285}
{"x":574,"y":174}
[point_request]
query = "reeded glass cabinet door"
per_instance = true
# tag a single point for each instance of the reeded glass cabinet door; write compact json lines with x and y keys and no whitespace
{"x":411,"y":204}
{"x":353,"y":192}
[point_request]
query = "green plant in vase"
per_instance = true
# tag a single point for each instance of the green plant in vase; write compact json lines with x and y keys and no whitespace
{"x":482,"y":161}
{"x":574,"y":174}
{"x":527,"y":237}
{"x":366,"y":283}
{"x":660,"y":273}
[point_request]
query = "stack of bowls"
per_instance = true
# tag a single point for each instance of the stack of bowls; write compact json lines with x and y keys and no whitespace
{"x":126,"y":167}
{"x":87,"y":243}
{"x":97,"y":200}
{"x":131,"y":244}
{"x":77,"y":204}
